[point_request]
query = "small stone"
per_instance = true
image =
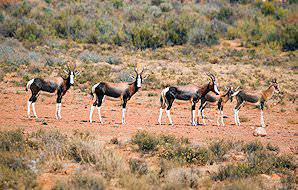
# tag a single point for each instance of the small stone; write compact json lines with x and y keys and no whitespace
{"x":260,"y":131}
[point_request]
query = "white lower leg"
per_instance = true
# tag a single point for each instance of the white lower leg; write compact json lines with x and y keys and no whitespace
{"x":91,"y":113}
{"x":238,"y":120}
{"x":58,"y":113}
{"x":160,"y":115}
{"x":123,"y":115}
{"x":193,"y":117}
{"x":169,"y":116}
{"x":33,"y":109}
{"x":203,"y":117}
{"x":262,"y":119}
{"x":235,"y":116}
{"x":28,"y":108}
{"x":222,"y":119}
{"x":99,"y":114}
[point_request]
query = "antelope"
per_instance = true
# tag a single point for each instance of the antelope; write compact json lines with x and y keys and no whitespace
{"x":123,"y":91}
{"x":59,"y":85}
{"x":244,"y":97}
{"x":190,"y":93}
{"x":220,"y":101}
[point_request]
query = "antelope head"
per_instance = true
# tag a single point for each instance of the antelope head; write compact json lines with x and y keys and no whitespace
{"x":275,"y":85}
{"x":214,"y":84}
{"x":71,"y":73}
{"x":139,"y":78}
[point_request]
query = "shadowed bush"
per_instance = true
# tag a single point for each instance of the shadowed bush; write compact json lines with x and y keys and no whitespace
{"x":145,"y":141}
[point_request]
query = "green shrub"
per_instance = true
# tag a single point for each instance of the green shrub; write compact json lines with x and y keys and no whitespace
{"x":146,"y":36}
{"x":88,"y":56}
{"x":86,"y":181}
{"x":187,"y":154}
{"x":2,"y":18}
{"x":156,"y":2}
{"x":219,"y":149}
{"x":138,"y":166}
{"x":203,"y":35}
{"x":176,"y":29}
{"x":272,"y":148}
{"x":29,"y":31}
{"x":117,"y":4}
{"x":289,"y":37}
{"x":114,"y":60}
{"x":12,"y":141}
{"x":241,"y":170}
{"x":225,"y":14}
{"x":268,"y":8}
{"x":145,"y":141}
{"x":252,"y":147}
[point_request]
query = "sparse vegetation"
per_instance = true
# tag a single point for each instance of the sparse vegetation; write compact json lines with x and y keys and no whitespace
{"x":24,"y":156}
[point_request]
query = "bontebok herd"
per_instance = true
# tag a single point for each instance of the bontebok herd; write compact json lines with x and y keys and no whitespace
{"x":207,"y":94}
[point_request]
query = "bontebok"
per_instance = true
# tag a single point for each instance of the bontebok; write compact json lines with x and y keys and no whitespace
{"x":123,"y":91}
{"x":59,"y":85}
{"x":190,"y":93}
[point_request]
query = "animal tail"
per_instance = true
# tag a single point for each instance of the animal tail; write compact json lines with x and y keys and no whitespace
{"x":29,"y":84}
{"x":163,"y":97}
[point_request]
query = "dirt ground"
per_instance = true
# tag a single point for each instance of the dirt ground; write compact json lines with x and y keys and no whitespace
{"x":142,"y":113}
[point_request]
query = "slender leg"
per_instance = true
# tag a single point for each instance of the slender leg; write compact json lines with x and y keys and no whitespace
{"x":262,"y":119}
{"x":91,"y":111}
{"x":32,"y":101}
{"x":99,"y":114}
{"x":222,"y":119}
{"x":99,"y":102}
{"x":235,"y":117}
{"x":160,"y":115}
{"x":28,"y":108}
{"x":203,"y":117}
{"x":193,"y":114}
{"x":169,"y":116}
{"x":33,"y":109}
{"x":58,"y":111}
{"x":168,"y":112}
{"x":123,"y":111}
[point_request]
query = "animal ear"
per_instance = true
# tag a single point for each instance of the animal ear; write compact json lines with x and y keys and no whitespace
{"x":226,"y":88}
{"x":77,"y":73}
{"x":65,"y":71}
{"x":132,"y":76}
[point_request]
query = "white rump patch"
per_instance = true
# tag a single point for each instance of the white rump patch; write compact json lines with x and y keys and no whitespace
{"x":93,"y":87}
{"x":164,"y":91}
{"x":29,"y":83}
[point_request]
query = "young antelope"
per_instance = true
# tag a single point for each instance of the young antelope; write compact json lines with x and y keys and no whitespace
{"x":244,"y":97}
{"x":213,"y":100}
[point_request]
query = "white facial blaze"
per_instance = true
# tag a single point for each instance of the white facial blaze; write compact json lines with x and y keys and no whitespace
{"x":71,"y":78}
{"x":215,"y":88}
{"x":139,"y":81}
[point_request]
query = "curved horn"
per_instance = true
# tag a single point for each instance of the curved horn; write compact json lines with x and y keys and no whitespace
{"x":142,"y":69}
{"x":135,"y":69}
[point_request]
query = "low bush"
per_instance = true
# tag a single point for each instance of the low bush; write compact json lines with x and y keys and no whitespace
{"x":219,"y":149}
{"x":138,"y":166}
{"x":252,"y":147}
{"x":87,"y":56}
{"x":183,"y":178}
{"x":289,"y":37}
{"x":203,"y":35}
{"x":145,"y":141}
{"x":187,"y":154}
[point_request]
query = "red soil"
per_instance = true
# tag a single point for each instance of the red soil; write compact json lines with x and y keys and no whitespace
{"x":142,"y":113}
